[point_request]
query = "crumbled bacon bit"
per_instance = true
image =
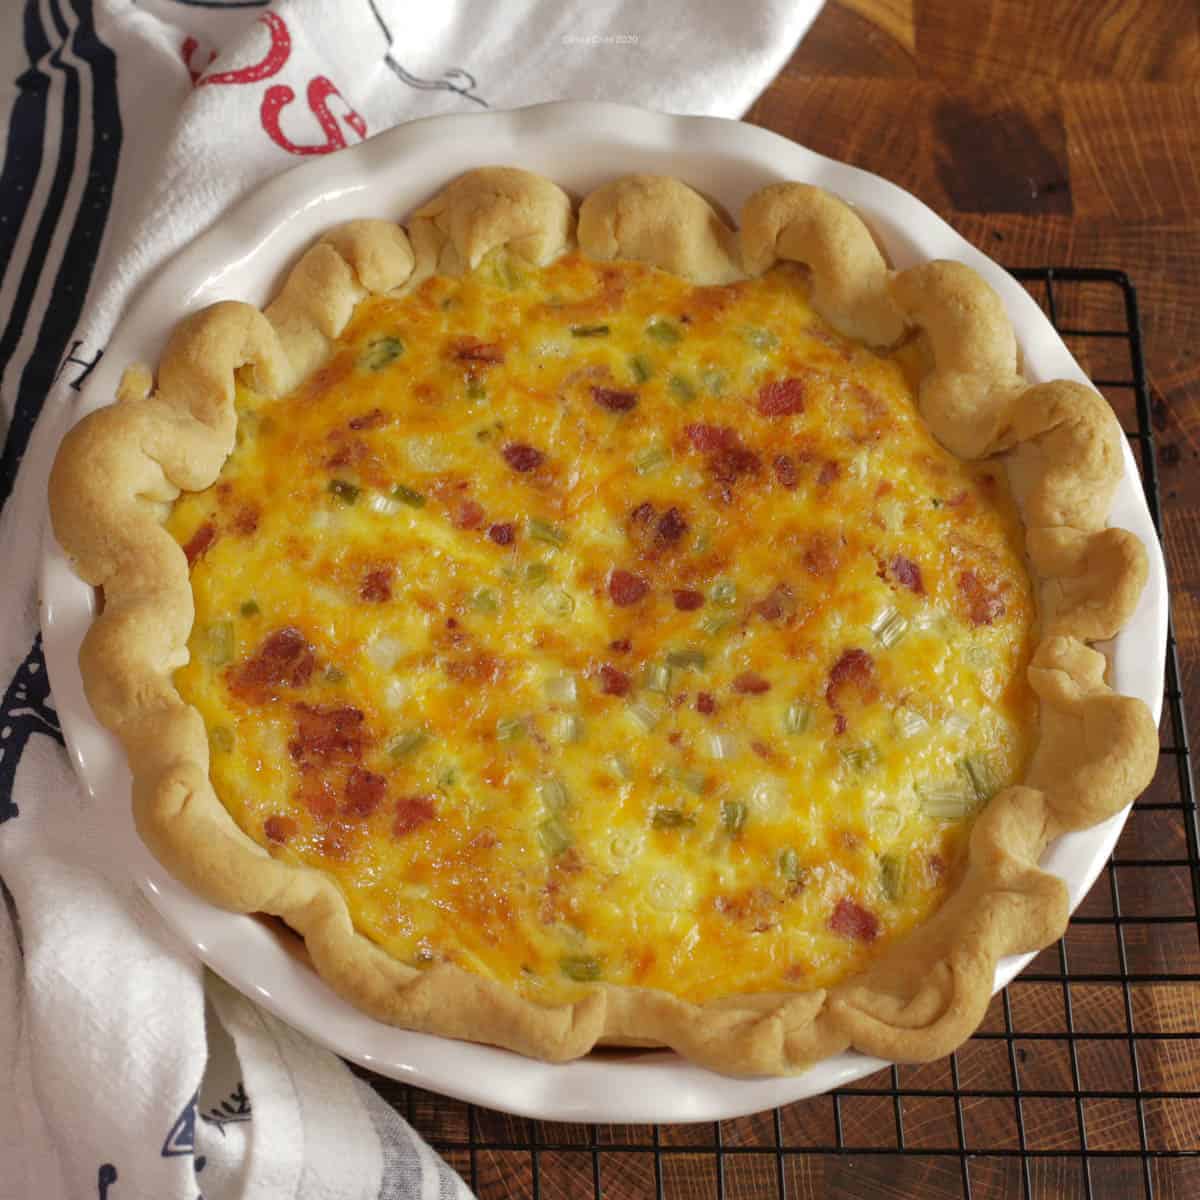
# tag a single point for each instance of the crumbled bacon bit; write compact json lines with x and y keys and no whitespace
{"x":710,"y":438}
{"x":643,"y":514}
{"x":781,"y":398}
{"x":705,"y":704}
{"x":829,"y":472}
{"x":785,"y":471}
{"x":671,"y":527}
{"x":625,"y":588}
{"x":278,"y":828}
{"x":614,"y":400}
{"x":328,"y":733}
{"x":368,"y":420}
{"x":199,"y":542}
{"x":471,"y":350}
{"x":376,"y":586}
{"x":411,"y":813}
{"x":503,"y":534}
{"x":821,"y":555}
{"x":349,"y":452}
{"x":780,"y":602}
{"x":762,"y":750}
{"x":750,"y":683}
{"x":621,"y":645}
{"x":364,"y":792}
{"x":245,"y":521}
{"x":285,"y":659}
{"x":984,"y":604}
{"x":908,"y":573}
{"x":614,"y":682}
{"x":318,"y":796}
{"x":522,"y":458}
{"x":853,"y":921}
{"x":468,"y":515}
{"x":688,"y":600}
{"x":958,"y":499}
{"x":728,"y":466}
{"x":855,"y":668}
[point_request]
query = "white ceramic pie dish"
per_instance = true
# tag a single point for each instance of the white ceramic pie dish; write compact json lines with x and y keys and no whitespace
{"x":579,"y":145}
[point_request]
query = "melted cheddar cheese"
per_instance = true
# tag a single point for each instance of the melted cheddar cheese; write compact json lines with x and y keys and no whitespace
{"x":584,"y":624}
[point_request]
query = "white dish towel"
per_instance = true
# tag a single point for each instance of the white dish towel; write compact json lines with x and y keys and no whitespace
{"x":126,"y":1070}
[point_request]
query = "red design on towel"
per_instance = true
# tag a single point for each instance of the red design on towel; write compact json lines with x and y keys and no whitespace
{"x":270,"y":64}
{"x":318,"y":92}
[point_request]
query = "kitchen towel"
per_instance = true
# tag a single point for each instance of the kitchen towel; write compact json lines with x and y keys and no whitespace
{"x":126,"y":1069}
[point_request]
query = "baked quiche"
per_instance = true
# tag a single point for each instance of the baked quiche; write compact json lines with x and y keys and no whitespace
{"x":599,"y":626}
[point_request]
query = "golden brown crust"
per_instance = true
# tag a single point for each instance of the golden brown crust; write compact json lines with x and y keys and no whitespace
{"x":849,"y":275}
{"x":658,"y":220}
{"x":119,"y":470}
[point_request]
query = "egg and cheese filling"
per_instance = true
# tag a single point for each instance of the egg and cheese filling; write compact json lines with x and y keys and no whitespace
{"x":583,"y":624}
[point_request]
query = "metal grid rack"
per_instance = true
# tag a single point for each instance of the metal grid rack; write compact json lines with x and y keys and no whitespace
{"x":1082,"y":1078}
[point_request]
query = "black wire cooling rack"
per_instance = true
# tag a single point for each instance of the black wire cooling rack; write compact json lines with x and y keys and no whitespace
{"x":1082,"y":1081}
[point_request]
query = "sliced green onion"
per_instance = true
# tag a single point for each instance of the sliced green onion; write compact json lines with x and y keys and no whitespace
{"x":553,"y":794}
{"x":886,"y":821}
{"x":447,"y":776}
{"x":385,"y":506}
{"x":682,"y":389}
{"x":891,"y":876}
{"x":510,"y":729}
{"x":956,"y":724}
{"x":724,"y":593}
{"x":619,"y":767}
{"x":797,"y":717}
{"x":218,"y":643}
{"x":889,"y":627}
{"x":543,"y":531}
{"x":691,"y":779}
{"x":978,"y":770}
{"x":567,"y":727}
{"x":334,"y":674}
{"x":556,"y":602}
{"x":485,"y":600}
{"x":733,"y":816}
{"x":589,"y":331}
{"x":249,"y":608}
{"x":789,"y":865}
{"x":536,"y":574}
{"x":379,"y":352}
{"x":220,"y":738}
{"x":581,"y":968}
{"x":650,"y":459}
{"x":561,"y":689}
{"x":714,"y":623}
{"x":688,"y":659}
{"x":946,"y":801}
{"x":759,"y":338}
{"x":406,"y":495}
{"x":859,"y":758}
{"x":408,"y":742}
{"x":554,"y":836}
{"x":671,"y":818}
{"x":476,"y":390}
{"x":664,"y":331}
{"x":714,"y":381}
{"x":721,"y":746}
{"x":644,"y":715}
{"x":640,"y":369}
{"x":909,"y":722}
{"x":347,"y":493}
{"x":657,"y":678}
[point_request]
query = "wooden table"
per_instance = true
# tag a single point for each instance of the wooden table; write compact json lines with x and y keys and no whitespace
{"x":1049,"y":133}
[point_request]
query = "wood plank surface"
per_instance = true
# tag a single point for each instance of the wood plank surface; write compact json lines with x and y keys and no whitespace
{"x":1048,"y":132}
